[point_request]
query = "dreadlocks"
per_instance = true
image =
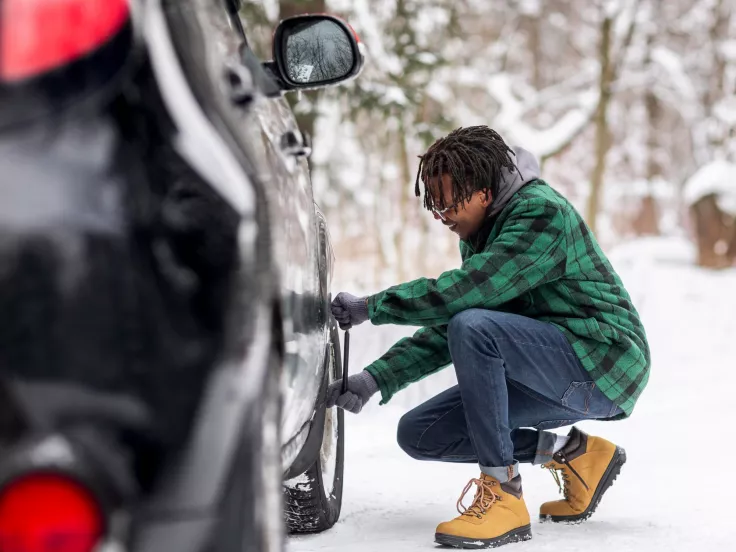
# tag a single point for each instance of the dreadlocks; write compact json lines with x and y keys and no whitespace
{"x":472,"y":156}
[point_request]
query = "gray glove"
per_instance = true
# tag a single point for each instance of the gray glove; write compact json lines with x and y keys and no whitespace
{"x":349,"y":310}
{"x":361,"y":387}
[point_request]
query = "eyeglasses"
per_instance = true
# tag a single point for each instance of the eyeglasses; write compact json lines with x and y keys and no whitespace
{"x":440,"y":213}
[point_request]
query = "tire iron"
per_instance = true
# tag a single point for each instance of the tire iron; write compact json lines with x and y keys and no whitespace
{"x":346,"y":355}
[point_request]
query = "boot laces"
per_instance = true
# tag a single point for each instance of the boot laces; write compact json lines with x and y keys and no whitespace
{"x":484,"y":498}
{"x":566,"y":469}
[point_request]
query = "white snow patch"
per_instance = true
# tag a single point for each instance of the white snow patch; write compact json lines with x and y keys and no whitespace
{"x":427,"y":57}
{"x":717,"y":177}
{"x":371,"y":35}
{"x":439,"y":91}
{"x":271,"y":7}
{"x":675,"y":69}
{"x":510,"y":119}
{"x":530,"y":7}
{"x":302,"y":482}
{"x":725,"y":110}
{"x":657,"y":187}
{"x":394,"y":94}
{"x":728,"y":49}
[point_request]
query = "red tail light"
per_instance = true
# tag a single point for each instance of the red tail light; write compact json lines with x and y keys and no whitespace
{"x":38,"y":35}
{"x":48,"y":512}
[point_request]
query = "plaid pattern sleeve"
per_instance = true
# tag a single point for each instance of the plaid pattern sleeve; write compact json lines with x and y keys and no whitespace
{"x":529,"y":252}
{"x":410,"y":360}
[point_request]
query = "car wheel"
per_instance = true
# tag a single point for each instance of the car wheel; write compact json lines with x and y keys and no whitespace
{"x":313,"y":500}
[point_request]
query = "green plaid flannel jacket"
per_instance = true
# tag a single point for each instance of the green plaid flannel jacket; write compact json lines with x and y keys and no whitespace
{"x":540,"y":260}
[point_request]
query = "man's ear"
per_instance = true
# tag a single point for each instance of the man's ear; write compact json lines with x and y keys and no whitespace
{"x":487,"y":198}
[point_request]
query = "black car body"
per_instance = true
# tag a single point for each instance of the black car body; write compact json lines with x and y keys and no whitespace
{"x":165,"y":279}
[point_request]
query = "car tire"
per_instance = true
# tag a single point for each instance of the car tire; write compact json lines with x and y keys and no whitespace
{"x":313,"y":500}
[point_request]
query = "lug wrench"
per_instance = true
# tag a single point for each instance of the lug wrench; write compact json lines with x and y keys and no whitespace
{"x":346,"y":355}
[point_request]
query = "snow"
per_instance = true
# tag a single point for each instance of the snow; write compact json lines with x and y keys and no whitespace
{"x":394,"y":94}
{"x":530,"y":7}
{"x":717,"y":177}
{"x":728,"y":49}
{"x":725,"y":111}
{"x":515,"y":100}
{"x":675,"y":493}
{"x":510,"y":121}
{"x":428,"y":19}
{"x":302,"y":482}
{"x":675,"y":70}
{"x":271,"y":8}
{"x":658,"y":187}
{"x":439,"y":91}
{"x":370,"y":34}
{"x":426,"y":58}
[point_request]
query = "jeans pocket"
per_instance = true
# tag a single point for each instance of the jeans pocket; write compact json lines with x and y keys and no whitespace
{"x":578,"y":396}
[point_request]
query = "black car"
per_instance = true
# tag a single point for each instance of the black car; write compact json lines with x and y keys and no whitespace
{"x":165,"y":274}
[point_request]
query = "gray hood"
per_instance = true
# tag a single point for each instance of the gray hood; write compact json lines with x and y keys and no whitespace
{"x":512,"y":181}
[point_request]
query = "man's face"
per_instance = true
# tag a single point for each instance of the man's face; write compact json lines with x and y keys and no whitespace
{"x":465,"y":218}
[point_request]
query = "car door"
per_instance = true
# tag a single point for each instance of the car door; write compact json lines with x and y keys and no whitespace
{"x":296,"y":241}
{"x":249,"y":104}
{"x":281,"y":156}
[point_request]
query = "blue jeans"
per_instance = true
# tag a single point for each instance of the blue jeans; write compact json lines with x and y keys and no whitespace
{"x":516,"y":377}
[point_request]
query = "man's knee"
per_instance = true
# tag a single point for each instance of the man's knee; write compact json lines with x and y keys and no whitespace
{"x":408,"y":434}
{"x":472,"y":325}
{"x":470,"y":322}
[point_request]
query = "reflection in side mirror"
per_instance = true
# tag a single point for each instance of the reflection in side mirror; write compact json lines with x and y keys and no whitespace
{"x":318,"y":52}
{"x":315,"y":50}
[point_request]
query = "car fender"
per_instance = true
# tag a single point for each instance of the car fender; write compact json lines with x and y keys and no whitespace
{"x":314,"y":429}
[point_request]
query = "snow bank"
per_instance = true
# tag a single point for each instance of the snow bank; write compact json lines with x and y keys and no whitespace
{"x":717,"y":177}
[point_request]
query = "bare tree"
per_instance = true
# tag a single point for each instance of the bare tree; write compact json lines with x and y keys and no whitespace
{"x":611,"y":62}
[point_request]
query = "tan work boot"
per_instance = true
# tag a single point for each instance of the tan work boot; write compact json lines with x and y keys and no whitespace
{"x":589,"y":466}
{"x":497,"y":516}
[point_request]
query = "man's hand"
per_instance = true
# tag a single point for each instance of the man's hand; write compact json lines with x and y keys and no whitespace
{"x":349,"y":310}
{"x":361,"y":388}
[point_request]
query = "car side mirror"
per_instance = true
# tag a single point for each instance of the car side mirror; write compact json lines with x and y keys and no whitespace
{"x":312,"y":51}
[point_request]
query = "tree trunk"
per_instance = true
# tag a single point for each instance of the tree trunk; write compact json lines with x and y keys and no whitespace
{"x":731,"y":251}
{"x":404,"y":203}
{"x":378,"y":186}
{"x":710,"y":229}
{"x":602,"y":140}
{"x":535,"y":45}
{"x":714,"y":92}
{"x":378,"y":207}
{"x":646,"y":222}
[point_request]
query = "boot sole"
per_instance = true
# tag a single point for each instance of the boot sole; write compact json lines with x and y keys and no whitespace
{"x":519,"y":534}
{"x":609,"y":476}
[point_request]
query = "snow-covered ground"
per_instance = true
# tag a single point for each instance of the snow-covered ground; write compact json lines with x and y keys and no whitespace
{"x":678,"y":489}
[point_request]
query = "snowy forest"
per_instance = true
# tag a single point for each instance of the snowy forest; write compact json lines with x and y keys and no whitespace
{"x":630,"y":106}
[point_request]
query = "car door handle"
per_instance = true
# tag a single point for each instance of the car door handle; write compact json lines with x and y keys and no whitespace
{"x":295,"y":143}
{"x":240,"y":86}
